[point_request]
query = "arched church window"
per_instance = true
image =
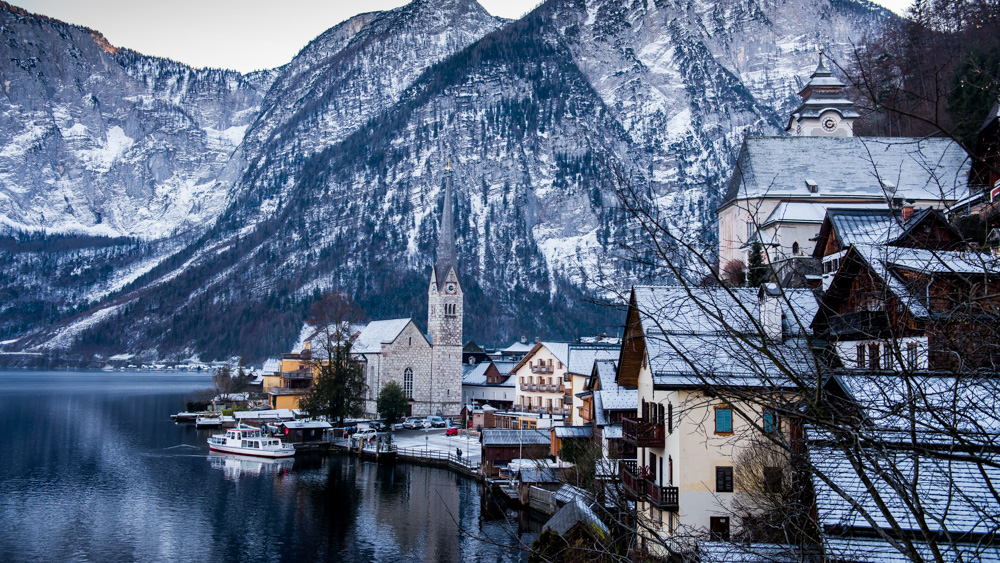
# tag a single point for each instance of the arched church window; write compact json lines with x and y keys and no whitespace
{"x":408,"y":383}
{"x":795,"y":248}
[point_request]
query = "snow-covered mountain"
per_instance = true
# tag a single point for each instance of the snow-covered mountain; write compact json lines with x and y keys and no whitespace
{"x":335,"y":181}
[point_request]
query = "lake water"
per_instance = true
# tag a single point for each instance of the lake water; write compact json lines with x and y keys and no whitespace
{"x":95,"y":470}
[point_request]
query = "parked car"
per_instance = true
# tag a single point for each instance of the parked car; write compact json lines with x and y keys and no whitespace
{"x":413,"y":423}
{"x":451,"y":431}
{"x":366,"y":434}
{"x":379,"y":426}
{"x":399,"y":425}
{"x":437,"y":421}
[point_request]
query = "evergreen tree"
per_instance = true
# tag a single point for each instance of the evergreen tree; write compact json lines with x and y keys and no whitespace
{"x":757,"y":271}
{"x":392,"y":402}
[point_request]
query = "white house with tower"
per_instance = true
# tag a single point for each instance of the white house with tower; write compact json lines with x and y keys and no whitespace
{"x":427,"y":366}
{"x":781,"y":187}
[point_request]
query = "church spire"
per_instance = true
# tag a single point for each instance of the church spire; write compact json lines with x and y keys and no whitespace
{"x":446,"y":255}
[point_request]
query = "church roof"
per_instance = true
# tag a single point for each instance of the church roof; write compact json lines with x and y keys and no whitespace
{"x":376,"y":334}
{"x":849,"y":167}
{"x":446,"y":254}
{"x":822,"y":93}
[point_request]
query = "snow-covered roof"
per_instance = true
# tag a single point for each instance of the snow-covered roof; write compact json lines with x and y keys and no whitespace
{"x":573,"y":513}
{"x":691,"y":333}
{"x":271,"y":366}
{"x":476,"y":375}
{"x":504,"y":366}
{"x":812,"y":211}
{"x":563,"y":432}
{"x":611,"y":396}
{"x":949,"y":462}
{"x":272,"y":414}
{"x":612,"y":431}
{"x":506,"y":437}
{"x":558,"y":349}
{"x":567,"y":493}
{"x":306,"y":424}
{"x":376,"y":334}
{"x":872,"y":226}
{"x":885,"y":260}
{"x":518,"y":348}
{"x":583,"y":356}
{"x":876,"y":550}
{"x":856,"y":167}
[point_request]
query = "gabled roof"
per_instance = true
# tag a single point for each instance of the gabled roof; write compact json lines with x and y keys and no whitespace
{"x":577,"y":515}
{"x":518,"y":348}
{"x":376,"y":334}
{"x":610,"y":396}
{"x":558,"y":349}
{"x":477,"y":375}
{"x":850,"y":167}
{"x":694,"y":332}
{"x":886,"y":263}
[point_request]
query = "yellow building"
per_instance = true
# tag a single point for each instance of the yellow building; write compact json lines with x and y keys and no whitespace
{"x":294,"y":380}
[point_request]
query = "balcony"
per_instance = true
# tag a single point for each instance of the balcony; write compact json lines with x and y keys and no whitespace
{"x":530,"y":387}
{"x":541,"y":369}
{"x":664,"y":498}
{"x":634,"y":486}
{"x":864,"y":324}
{"x":550,"y":388}
{"x":643,"y":433}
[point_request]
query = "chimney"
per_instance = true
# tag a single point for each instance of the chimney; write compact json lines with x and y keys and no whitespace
{"x":770,"y":311}
{"x":907,"y":212}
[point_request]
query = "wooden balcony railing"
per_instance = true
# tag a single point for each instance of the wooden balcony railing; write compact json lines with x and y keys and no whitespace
{"x":643,"y":433}
{"x":634,"y":486}
{"x":541,"y":369}
{"x":664,"y":498}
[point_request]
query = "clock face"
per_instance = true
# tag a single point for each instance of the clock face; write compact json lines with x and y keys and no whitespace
{"x":829,"y":124}
{"x":450,"y":288}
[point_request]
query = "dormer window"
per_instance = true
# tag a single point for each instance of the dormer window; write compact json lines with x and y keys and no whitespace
{"x":812,"y":186}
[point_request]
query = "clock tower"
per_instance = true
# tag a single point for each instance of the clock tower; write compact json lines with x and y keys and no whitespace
{"x":825,"y":111}
{"x":444,"y":317}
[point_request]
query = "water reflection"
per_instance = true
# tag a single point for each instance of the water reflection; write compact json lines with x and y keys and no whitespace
{"x":97,"y":471}
{"x":235,"y":466}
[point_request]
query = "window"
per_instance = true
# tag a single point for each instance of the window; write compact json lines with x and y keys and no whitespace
{"x":723,"y":420}
{"x":795,"y":248}
{"x":873,"y":357}
{"x":670,"y":470}
{"x":861,"y":356}
{"x":670,"y":418}
{"x":719,"y":527}
{"x":911,"y":355}
{"x":652,"y":466}
{"x":408,"y":383}
{"x":723,"y":479}
{"x":771,"y":422}
{"x":887,"y":357}
{"x":772,"y":479}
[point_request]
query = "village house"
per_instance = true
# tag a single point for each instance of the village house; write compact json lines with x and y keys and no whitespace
{"x":605,"y":404}
{"x":293,"y":381}
{"x":905,"y":228}
{"x":484,"y":384}
{"x":500,"y":446}
{"x":539,"y":380}
{"x":894,"y":309}
{"x":781,"y":186}
{"x":703,"y":363}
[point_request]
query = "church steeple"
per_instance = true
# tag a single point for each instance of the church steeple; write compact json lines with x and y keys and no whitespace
{"x":824,"y":111}
{"x":446,"y":254}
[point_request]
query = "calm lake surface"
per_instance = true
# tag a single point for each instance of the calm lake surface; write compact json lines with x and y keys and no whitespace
{"x":95,"y":470}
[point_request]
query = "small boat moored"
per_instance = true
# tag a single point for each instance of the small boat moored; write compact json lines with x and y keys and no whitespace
{"x":247,"y":440}
{"x":208,"y":422}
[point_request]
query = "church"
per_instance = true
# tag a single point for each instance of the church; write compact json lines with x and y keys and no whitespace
{"x":427,"y":366}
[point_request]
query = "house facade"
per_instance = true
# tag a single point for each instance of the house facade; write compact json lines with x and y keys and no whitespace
{"x":705,"y":390}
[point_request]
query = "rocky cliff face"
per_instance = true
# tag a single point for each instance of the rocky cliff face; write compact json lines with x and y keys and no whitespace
{"x":336,"y":182}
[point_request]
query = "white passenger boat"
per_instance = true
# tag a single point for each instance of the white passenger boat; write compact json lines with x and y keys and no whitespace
{"x":247,"y":440}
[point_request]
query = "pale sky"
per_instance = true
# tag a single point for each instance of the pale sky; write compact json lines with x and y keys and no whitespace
{"x":244,"y":35}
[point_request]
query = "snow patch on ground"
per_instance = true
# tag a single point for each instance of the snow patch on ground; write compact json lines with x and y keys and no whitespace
{"x":63,"y":337}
